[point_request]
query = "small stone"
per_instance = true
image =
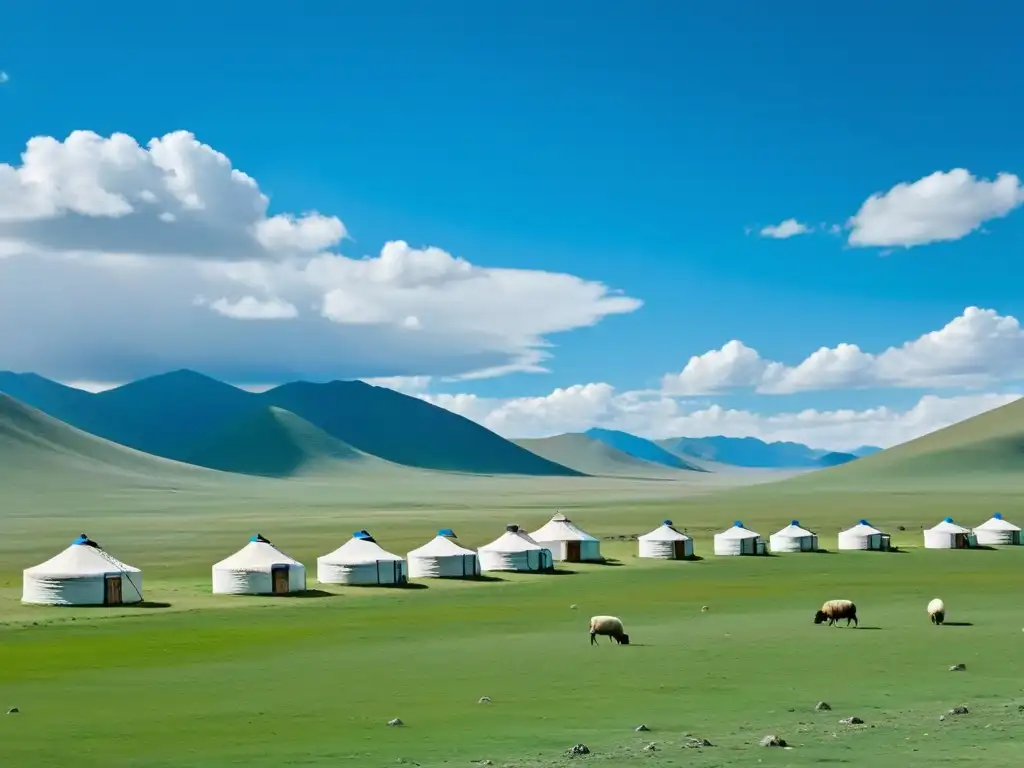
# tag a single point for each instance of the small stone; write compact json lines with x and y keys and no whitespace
{"x":703,"y":609}
{"x":651,"y":748}
{"x":573,"y":607}
{"x":957,"y":711}
{"x":578,"y":749}
{"x":484,"y":700}
{"x":640,"y":728}
{"x":13,"y":711}
{"x":853,"y":720}
{"x":772,"y":740}
{"x":822,"y":706}
{"x":941,"y":718}
{"x":396,"y":721}
{"x":958,"y":668}
{"x":694,"y":742}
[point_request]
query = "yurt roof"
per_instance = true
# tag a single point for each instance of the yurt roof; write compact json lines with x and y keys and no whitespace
{"x":794,"y":531}
{"x":258,"y":553}
{"x":948,"y":526}
{"x":514,"y":539}
{"x":864,"y":528}
{"x":664,"y":532}
{"x":84,"y":558}
{"x":441,"y":546}
{"x":561,"y":528}
{"x":361,"y":548}
{"x":737,"y":531}
{"x":997,"y":523}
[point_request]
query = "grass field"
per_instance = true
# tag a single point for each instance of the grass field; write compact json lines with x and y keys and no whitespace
{"x":214,"y":681}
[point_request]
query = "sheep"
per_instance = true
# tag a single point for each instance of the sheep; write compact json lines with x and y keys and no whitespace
{"x":608,"y":625}
{"x":937,"y":611}
{"x":834,"y":610}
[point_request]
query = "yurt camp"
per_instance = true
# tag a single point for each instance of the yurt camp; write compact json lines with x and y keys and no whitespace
{"x":514,"y":550}
{"x":949,"y":535}
{"x":442,"y":558}
{"x":996,"y":531}
{"x":566,"y":541}
{"x":83,"y":574}
{"x":258,"y":568}
{"x":361,"y":561}
{"x":665,"y":543}
{"x":864,"y":536}
{"x":793,"y":538}
{"x":738,"y":540}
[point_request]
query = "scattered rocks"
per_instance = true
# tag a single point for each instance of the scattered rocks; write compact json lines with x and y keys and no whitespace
{"x":652,"y":747}
{"x":822,"y":706}
{"x":771,"y":740}
{"x":578,"y":749}
{"x":958,"y":668}
{"x":853,"y":720}
{"x":396,"y":721}
{"x":640,"y":728}
{"x":13,"y":711}
{"x":484,"y":700}
{"x":957,"y":711}
{"x":693,"y":742}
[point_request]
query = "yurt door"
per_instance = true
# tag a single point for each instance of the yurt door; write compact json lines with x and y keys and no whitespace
{"x":572,"y":551}
{"x":112,"y":590}
{"x":959,"y":541}
{"x":279,"y":576}
{"x":1015,"y":537}
{"x":679,"y":549}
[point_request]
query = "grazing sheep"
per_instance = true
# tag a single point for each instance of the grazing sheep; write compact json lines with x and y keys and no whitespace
{"x":937,"y":611}
{"x":834,"y":610}
{"x":610,"y":626}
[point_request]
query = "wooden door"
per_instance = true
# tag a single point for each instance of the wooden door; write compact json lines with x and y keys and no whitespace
{"x":679,"y":549}
{"x":572,"y":551}
{"x":960,"y":541}
{"x":279,"y":575}
{"x":112,"y":590}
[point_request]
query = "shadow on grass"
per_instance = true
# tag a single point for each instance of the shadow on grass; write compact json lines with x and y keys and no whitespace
{"x":309,"y":593}
{"x":869,"y":627}
{"x":691,"y":559}
{"x":983,"y":548}
{"x":119,"y":606}
{"x":482,"y":577}
{"x":957,"y":624}
{"x":559,"y":572}
{"x":823,"y":552}
{"x":607,"y":561}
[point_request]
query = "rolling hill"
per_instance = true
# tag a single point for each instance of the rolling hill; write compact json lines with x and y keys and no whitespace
{"x":641,"y":448}
{"x":591,"y":456}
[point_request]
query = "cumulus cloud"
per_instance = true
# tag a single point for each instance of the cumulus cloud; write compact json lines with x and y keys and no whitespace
{"x":942,"y":206}
{"x":109,"y":250}
{"x":786,"y":229}
{"x":655,"y":415}
{"x":978,"y":348}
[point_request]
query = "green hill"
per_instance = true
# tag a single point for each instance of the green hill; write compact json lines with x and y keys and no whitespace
{"x":592,"y":456}
{"x":273,"y":442}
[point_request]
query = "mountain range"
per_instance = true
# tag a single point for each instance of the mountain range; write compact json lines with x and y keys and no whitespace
{"x":350,"y":426}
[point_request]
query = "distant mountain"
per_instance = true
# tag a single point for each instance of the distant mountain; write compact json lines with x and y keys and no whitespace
{"x":641,"y":448}
{"x":593,"y":457}
{"x":865,"y":450}
{"x":180,"y":415}
{"x":754,"y":453}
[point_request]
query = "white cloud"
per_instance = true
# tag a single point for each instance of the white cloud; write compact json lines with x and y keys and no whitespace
{"x":108,"y":248}
{"x":409,"y":385}
{"x":976,"y":349}
{"x":786,"y":229}
{"x":653,"y":415}
{"x":943,"y":206}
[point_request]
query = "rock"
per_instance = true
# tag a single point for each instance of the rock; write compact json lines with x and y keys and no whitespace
{"x":772,"y":740}
{"x":703,"y":609}
{"x":578,"y":749}
{"x":693,"y":742}
{"x":854,"y":720}
{"x":958,"y":668}
{"x":640,"y":728}
{"x":484,"y":700}
{"x":957,"y":711}
{"x":396,"y":721}
{"x":13,"y":711}
{"x":651,"y":748}
{"x":941,"y":718}
{"x":573,"y":607}
{"x":822,"y":706}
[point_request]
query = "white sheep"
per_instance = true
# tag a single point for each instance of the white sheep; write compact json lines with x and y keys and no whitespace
{"x":834,"y":610}
{"x":610,"y":626}
{"x":937,"y":611}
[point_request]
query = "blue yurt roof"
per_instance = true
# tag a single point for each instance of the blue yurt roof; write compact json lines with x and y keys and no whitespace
{"x":795,"y":522}
{"x":863,"y":522}
{"x":448,"y":533}
{"x":947,"y":520}
{"x":84,"y":540}
{"x":667,"y":522}
{"x":260,"y":537}
{"x":998,"y":515}
{"x":738,"y":524}
{"x":364,"y":535}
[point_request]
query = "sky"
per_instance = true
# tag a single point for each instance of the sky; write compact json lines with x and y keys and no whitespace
{"x":795,"y":224}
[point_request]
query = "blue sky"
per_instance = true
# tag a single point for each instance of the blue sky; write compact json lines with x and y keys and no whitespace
{"x":626,"y":144}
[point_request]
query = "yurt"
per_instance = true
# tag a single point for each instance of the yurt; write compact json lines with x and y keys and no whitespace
{"x":793,"y":538}
{"x":665,"y":543}
{"x":949,"y":535}
{"x":442,"y":558}
{"x":514,"y":550}
{"x":864,"y":536}
{"x":258,"y":568}
{"x":737,"y":540}
{"x":567,"y":542}
{"x":996,"y":531}
{"x":361,"y":561}
{"x":83,"y":574}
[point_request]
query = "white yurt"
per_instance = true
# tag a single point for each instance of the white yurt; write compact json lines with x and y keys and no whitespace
{"x":948,"y":535}
{"x":514,"y":550}
{"x":361,"y":561}
{"x":258,"y":568}
{"x":442,"y":558}
{"x":996,"y":531}
{"x":737,"y":540}
{"x":83,"y":574}
{"x":793,"y":538}
{"x":864,"y":536}
{"x":665,"y":543}
{"x":566,"y":541}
